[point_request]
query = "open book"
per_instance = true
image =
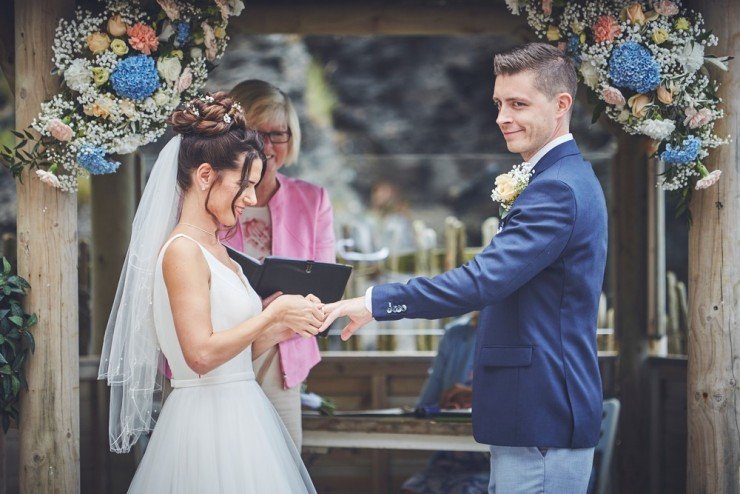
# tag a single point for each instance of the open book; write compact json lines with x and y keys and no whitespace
{"x":294,"y":276}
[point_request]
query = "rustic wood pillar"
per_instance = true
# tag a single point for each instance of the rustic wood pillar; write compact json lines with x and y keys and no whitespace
{"x":47,"y":258}
{"x":112,"y":213}
{"x":628,"y":255}
{"x":714,"y":290}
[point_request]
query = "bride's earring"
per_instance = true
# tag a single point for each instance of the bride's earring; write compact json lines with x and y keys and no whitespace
{"x":203,"y":187}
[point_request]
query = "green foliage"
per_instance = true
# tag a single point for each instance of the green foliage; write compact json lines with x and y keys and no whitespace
{"x":16,"y":341}
{"x":17,"y":157}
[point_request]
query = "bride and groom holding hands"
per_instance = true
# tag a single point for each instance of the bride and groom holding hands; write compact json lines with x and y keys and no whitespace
{"x":537,"y":391}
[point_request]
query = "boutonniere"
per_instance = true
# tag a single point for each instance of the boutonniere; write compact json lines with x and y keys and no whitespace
{"x":510,"y":185}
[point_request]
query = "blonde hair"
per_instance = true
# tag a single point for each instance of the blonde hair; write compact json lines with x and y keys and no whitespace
{"x":264,"y":103}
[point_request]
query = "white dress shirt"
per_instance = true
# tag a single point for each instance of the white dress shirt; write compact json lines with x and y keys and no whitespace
{"x":533,"y":162}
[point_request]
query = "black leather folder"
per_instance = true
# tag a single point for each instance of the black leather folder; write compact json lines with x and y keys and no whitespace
{"x":294,"y":276}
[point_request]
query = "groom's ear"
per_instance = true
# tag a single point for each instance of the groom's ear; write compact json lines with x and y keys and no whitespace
{"x":564,"y":103}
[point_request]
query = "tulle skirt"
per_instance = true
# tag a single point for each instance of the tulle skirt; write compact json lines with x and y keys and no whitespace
{"x":221,"y":438}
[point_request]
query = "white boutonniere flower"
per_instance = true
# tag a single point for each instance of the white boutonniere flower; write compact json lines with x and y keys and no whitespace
{"x":510,"y":185}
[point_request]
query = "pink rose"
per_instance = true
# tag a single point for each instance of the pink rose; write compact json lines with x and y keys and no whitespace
{"x":185,"y":80}
{"x":223,"y":6}
{"x":59,"y":130}
{"x":606,"y":28}
{"x":547,"y":7}
{"x":209,"y":40}
{"x":666,"y":8}
{"x":171,"y":10}
{"x":613,"y":96}
{"x":50,"y":179}
{"x":708,"y":180}
{"x":696,"y":118}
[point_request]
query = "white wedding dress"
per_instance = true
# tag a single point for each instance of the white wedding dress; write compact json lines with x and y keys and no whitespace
{"x":217,"y":433}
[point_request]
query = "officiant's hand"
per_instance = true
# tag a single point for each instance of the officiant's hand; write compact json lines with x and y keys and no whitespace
{"x":353,"y":308}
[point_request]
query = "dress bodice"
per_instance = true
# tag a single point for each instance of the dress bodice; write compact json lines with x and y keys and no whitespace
{"x":232,"y":301}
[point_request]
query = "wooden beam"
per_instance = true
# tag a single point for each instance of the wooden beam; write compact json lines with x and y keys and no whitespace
{"x":628,"y":254}
{"x":378,"y":18}
{"x":7,"y":45}
{"x":112,"y":214}
{"x":714,"y":289}
{"x":47,"y":258}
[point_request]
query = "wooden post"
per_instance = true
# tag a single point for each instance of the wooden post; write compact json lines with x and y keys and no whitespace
{"x":714,"y":298}
{"x":628,"y":254}
{"x":47,"y":258}
{"x":113,"y":203}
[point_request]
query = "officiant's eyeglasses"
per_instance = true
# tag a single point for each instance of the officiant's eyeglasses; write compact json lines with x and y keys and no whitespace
{"x":276,"y":137}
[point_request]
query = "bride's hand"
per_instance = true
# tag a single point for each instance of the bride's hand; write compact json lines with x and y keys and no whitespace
{"x":299,"y":314}
{"x":268,"y":300}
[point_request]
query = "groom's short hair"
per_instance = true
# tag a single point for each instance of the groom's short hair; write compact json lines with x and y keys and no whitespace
{"x":554,"y":71}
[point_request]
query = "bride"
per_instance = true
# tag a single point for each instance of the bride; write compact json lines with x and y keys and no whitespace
{"x":181,"y":296}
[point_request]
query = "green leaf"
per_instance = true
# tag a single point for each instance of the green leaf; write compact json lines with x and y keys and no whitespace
{"x":5,"y":369}
{"x":6,"y":267}
{"x":32,"y":320}
{"x":16,"y":385}
{"x":30,"y":341}
{"x":17,"y":320}
{"x":2,"y":359}
{"x":19,"y":135}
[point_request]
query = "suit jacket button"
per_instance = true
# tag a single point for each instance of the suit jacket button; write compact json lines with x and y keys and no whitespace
{"x":403,"y":307}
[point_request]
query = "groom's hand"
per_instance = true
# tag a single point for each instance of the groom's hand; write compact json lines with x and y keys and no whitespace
{"x":353,"y":308}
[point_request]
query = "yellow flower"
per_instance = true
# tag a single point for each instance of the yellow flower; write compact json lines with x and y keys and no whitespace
{"x":100,"y":75}
{"x":576,"y":27}
{"x":665,"y":95}
{"x":582,"y":38}
{"x":506,"y":187}
{"x":119,"y":47}
{"x":635,"y":14}
{"x":116,"y":26}
{"x":98,"y":42}
{"x":177,"y":54}
{"x":682,"y":24}
{"x":660,"y":36}
{"x":639,"y":104}
{"x":219,"y":32}
{"x":553,"y":33}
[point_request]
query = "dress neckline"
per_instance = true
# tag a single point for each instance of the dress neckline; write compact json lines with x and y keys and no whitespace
{"x":239,"y":274}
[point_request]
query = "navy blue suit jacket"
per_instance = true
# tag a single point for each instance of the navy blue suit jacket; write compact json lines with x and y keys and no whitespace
{"x":536,"y":377}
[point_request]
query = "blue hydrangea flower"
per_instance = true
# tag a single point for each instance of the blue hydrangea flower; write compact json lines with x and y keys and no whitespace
{"x":92,"y":159}
{"x":135,"y":77}
{"x":573,"y":49}
{"x":687,"y":152}
{"x":632,"y":66}
{"x":183,"y":32}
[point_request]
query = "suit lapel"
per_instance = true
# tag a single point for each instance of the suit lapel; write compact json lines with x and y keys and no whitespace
{"x":568,"y":148}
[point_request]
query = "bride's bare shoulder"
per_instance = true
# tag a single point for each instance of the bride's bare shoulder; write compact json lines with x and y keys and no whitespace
{"x":183,"y":257}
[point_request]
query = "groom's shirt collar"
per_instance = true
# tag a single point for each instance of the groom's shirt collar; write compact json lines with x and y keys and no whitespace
{"x":548,"y":147}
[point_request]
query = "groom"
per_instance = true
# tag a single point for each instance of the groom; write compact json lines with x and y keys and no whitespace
{"x":537,"y":389}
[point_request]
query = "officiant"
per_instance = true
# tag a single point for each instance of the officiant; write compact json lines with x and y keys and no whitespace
{"x":292,"y":218}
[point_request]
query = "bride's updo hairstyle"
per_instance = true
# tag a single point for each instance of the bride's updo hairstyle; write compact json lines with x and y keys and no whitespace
{"x":214,"y":131}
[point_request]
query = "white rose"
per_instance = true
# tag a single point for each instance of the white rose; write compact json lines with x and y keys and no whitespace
{"x":169,"y":68}
{"x":236,"y":6}
{"x":129,"y":144}
{"x":78,"y":75}
{"x":128,"y":108}
{"x":657,"y":129}
{"x":506,"y":187}
{"x":196,"y":53}
{"x":160,"y":98}
{"x":693,"y":57}
{"x":590,"y":74}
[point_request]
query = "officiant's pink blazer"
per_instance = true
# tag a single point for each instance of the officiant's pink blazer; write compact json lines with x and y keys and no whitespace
{"x":302,"y":228}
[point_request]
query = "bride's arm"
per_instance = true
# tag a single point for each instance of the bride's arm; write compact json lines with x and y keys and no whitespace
{"x":187,"y":277}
